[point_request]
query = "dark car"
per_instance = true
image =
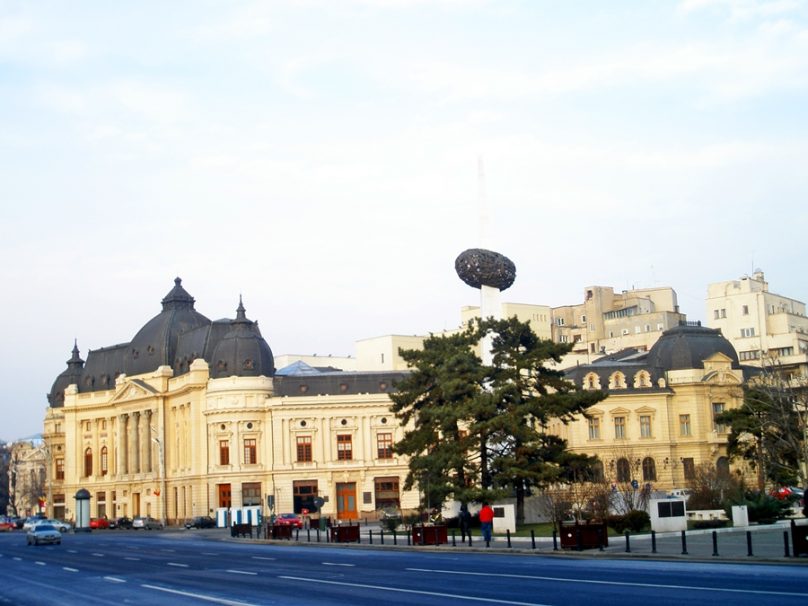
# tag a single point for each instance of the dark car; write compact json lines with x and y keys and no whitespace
{"x":125,"y":523}
{"x":201,"y":522}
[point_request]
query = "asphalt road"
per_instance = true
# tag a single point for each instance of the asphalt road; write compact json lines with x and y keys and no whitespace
{"x":189,"y":567}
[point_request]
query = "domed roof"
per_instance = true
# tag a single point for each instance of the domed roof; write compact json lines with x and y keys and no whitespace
{"x":69,"y":376}
{"x":156,"y":343}
{"x":242,"y":350}
{"x":684,"y":347}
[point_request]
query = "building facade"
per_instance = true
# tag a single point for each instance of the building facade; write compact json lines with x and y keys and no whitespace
{"x":658,"y":423}
{"x":191,"y":418}
{"x":28,"y":484}
{"x":765,"y":328}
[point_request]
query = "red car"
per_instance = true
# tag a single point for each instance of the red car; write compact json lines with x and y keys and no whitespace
{"x":288,"y":519}
{"x":99,"y":523}
{"x":7,"y":524}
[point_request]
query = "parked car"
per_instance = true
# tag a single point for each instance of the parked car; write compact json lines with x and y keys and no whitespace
{"x":32,"y":520}
{"x":146,"y":523}
{"x":788,"y":493}
{"x":288,"y":519}
{"x":99,"y":523}
{"x":7,"y":524}
{"x":18,"y":521}
{"x":201,"y":522}
{"x":43,"y":534}
{"x":57,"y":524}
{"x":123,"y":523}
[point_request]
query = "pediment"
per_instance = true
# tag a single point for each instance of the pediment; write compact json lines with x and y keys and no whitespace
{"x":646,"y":410}
{"x":133,"y":390}
{"x":620,"y":411}
{"x":720,"y":377}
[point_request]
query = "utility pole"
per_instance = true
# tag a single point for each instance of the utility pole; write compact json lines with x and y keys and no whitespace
{"x":163,"y":501}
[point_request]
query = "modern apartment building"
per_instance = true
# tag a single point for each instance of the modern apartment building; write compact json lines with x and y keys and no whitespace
{"x":763,"y":327}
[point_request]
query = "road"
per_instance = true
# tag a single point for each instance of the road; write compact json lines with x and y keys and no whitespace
{"x":138,"y":567}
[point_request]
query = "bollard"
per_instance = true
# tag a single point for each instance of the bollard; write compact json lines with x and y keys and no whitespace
{"x":555,"y":540}
{"x":508,"y":535}
{"x":370,"y":537}
{"x":599,"y":533}
{"x":653,"y":541}
{"x":395,"y":537}
{"x":381,"y":537}
{"x":408,"y":538}
{"x":715,"y":543}
{"x":308,"y":535}
{"x":628,"y":542}
{"x":469,"y":537}
{"x":684,"y":543}
{"x":297,"y":535}
{"x":785,"y":543}
{"x":533,"y":538}
{"x":579,"y":540}
{"x":454,"y":542}
{"x":318,"y":535}
{"x":749,"y":543}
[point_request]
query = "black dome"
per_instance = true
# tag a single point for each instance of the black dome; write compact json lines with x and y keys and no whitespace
{"x":242,"y":351}
{"x":70,"y":376}
{"x":156,"y":343}
{"x":684,"y":347}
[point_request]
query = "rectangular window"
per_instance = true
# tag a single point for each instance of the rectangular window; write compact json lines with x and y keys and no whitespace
{"x":745,"y":310}
{"x":689,"y":468}
{"x":645,"y":426}
{"x":718,"y":408}
{"x":384,"y":445}
{"x":747,"y":332}
{"x":715,"y":314}
{"x":620,"y":428}
{"x":594,"y":428}
{"x":344,"y":447}
{"x":559,"y":321}
{"x":251,"y":493}
{"x":583,"y":319}
{"x":723,"y":313}
{"x":104,"y":460}
{"x":386,"y":493}
{"x":303,"y":493}
{"x":562,"y":338}
{"x":753,"y":354}
{"x":250,"y":451}
{"x":304,"y":449}
{"x":684,"y":425}
{"x":224,"y":452}
{"x":60,"y":469}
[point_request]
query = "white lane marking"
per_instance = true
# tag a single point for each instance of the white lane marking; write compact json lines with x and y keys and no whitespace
{"x":337,"y":564}
{"x":209,"y":553}
{"x":242,"y":572}
{"x":618,"y":583}
{"x":178,"y":565}
{"x":131,"y":559}
{"x":168,"y":550}
{"x":16,"y":559}
{"x":114,"y":580}
{"x":72,"y":551}
{"x":40,"y":563}
{"x":70,"y":569}
{"x":199,"y":596}
{"x":263,"y":558}
{"x":99,"y":555}
{"x":452,"y":596}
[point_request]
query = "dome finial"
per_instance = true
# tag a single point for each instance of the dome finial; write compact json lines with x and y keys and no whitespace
{"x":241,"y":313}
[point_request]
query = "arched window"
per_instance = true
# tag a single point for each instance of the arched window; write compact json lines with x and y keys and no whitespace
{"x":648,"y":470}
{"x":88,"y":462}
{"x":103,"y":460}
{"x":591,"y":381}
{"x":623,"y":470}
{"x":617,"y":381}
{"x":597,"y":471}
{"x":642,"y":379}
{"x":722,"y":468}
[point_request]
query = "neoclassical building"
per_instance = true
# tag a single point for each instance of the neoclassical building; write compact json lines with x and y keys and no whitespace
{"x":658,"y":422}
{"x":191,"y":417}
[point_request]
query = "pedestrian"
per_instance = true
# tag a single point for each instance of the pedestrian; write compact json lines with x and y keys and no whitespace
{"x":486,"y":523}
{"x":465,"y":522}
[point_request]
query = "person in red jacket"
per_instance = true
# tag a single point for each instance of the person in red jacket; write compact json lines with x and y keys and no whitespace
{"x":486,"y":523}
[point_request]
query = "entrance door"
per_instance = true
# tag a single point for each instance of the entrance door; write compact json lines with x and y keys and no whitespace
{"x":135,"y":504}
{"x":346,"y":501}
{"x":225,"y":500}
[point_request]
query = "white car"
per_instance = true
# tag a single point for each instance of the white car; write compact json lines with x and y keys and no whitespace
{"x":43,"y":534}
{"x":57,"y":524}
{"x":146,"y":523}
{"x":32,"y":521}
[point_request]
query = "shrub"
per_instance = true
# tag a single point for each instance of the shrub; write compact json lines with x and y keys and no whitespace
{"x":763,"y":508}
{"x":635,"y":521}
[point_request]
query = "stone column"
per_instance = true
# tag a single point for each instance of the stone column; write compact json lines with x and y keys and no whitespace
{"x":120,"y":459}
{"x":149,"y":445}
{"x":134,"y":436}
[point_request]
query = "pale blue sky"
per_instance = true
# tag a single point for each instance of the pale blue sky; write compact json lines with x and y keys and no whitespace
{"x":319,"y":157}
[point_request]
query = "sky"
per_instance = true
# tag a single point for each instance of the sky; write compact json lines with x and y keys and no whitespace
{"x":321,"y":158}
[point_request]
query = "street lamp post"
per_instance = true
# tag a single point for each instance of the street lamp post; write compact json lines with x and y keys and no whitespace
{"x":159,"y":443}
